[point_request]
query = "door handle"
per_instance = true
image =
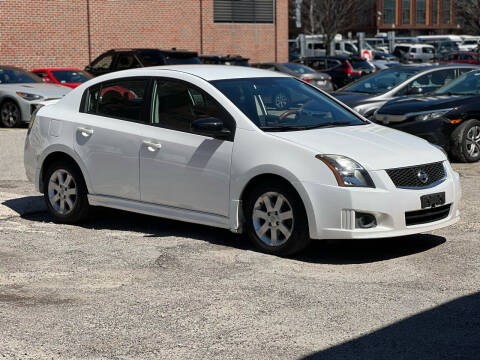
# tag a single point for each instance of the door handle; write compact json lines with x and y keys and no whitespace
{"x":152,"y":146}
{"x":85,"y":132}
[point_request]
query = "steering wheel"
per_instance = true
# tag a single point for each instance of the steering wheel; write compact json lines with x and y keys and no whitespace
{"x":287,"y":113}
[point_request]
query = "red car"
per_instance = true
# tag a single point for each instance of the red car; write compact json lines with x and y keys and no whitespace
{"x":66,"y":77}
{"x":463,"y":57}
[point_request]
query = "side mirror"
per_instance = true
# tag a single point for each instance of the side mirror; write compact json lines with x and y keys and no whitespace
{"x":415,"y":91}
{"x":211,"y":127}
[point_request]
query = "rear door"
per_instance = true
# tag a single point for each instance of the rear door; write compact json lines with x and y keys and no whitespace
{"x":108,"y":135}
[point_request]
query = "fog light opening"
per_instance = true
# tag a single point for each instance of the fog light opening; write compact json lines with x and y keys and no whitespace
{"x":365,"y":221}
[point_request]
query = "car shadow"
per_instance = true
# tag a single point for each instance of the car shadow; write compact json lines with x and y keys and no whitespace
{"x":334,"y":252}
{"x":360,"y":251}
{"x":448,"y":331}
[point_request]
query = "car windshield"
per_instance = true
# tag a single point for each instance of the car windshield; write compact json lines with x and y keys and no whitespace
{"x":154,"y":58}
{"x":382,"y":81}
{"x":17,"y":76}
{"x":467,"y":84}
{"x":285,"y":104}
{"x":71,"y":76}
{"x":299,"y":69}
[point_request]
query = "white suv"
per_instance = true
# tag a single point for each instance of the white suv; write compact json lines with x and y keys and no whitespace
{"x":414,"y":52}
{"x":206,"y":144}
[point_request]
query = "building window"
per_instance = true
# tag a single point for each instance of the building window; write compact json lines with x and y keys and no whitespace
{"x":421,"y":12}
{"x":435,"y":12}
{"x":406,"y":12}
{"x":446,"y":11}
{"x":389,"y":11}
{"x":244,"y":11}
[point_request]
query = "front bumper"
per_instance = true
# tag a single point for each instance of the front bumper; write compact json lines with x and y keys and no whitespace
{"x":334,"y":208}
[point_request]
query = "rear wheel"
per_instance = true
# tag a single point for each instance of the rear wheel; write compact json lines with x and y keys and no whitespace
{"x":10,"y":114}
{"x":466,"y":141}
{"x":65,"y":193}
{"x":276,"y":220}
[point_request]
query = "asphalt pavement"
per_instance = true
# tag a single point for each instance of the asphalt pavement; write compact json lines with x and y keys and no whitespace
{"x":127,"y":286}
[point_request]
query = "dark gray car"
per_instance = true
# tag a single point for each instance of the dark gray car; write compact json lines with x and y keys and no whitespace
{"x":318,"y":79}
{"x":369,"y":93}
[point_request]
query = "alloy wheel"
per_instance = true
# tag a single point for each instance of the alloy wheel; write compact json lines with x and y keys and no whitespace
{"x":473,"y":141}
{"x":273,"y":219}
{"x":62,"y":192}
{"x":9,"y":114}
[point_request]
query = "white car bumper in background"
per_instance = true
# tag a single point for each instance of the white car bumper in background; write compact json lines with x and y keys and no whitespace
{"x":397,"y":211}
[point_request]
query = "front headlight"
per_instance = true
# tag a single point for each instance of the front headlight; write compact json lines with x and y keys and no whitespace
{"x":432,"y":115}
{"x":348,"y":172}
{"x":29,"y":97}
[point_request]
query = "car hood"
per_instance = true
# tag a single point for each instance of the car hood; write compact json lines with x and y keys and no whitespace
{"x":49,"y":91}
{"x":353,"y":99}
{"x":406,"y":105}
{"x":375,"y":147}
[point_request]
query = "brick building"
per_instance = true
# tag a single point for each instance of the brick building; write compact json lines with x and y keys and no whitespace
{"x":38,"y":33}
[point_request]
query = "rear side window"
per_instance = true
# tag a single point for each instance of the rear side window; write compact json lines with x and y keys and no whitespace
{"x":427,"y":50}
{"x":126,"y":61}
{"x":122,"y":99}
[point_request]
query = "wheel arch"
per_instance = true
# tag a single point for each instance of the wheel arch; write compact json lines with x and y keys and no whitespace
{"x":61,"y":154}
{"x":287,"y":180}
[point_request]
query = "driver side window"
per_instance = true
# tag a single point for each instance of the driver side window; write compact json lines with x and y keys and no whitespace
{"x":175,"y":105}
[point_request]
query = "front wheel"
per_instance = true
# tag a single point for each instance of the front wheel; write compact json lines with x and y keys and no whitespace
{"x":65,"y":193}
{"x":10,"y":114}
{"x":466,"y":141}
{"x":276,"y":220}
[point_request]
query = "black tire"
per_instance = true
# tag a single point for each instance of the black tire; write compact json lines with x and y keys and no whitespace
{"x":80,"y":208}
{"x":299,"y":238}
{"x":461,"y":144}
{"x":10,"y":114}
{"x":281,"y":100}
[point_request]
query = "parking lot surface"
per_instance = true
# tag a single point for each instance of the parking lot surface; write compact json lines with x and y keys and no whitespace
{"x":131,"y":286}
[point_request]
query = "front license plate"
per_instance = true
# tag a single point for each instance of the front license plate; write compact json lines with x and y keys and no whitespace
{"x":432,"y":200}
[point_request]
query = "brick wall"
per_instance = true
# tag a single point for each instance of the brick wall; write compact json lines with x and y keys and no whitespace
{"x":54,"y":33}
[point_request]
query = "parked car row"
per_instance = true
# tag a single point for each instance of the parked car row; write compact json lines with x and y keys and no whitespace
{"x":375,"y":94}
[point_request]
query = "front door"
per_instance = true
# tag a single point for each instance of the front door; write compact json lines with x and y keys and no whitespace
{"x":179,"y":167}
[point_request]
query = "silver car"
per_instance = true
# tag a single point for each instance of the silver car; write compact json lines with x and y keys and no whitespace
{"x":21,"y":93}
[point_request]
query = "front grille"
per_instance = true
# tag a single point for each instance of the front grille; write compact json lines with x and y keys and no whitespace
{"x":427,"y":215}
{"x":411,"y":177}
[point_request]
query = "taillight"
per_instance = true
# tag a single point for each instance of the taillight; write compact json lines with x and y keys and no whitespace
{"x":412,"y":56}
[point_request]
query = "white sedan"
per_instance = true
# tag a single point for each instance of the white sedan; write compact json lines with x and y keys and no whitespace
{"x":206,"y":144}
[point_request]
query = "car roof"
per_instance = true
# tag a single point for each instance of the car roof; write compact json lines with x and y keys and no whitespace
{"x":210,"y":72}
{"x":9,"y":67}
{"x":56,"y":69}
{"x":166,"y":51}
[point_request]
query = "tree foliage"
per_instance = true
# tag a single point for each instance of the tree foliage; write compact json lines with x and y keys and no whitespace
{"x":468,"y":15}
